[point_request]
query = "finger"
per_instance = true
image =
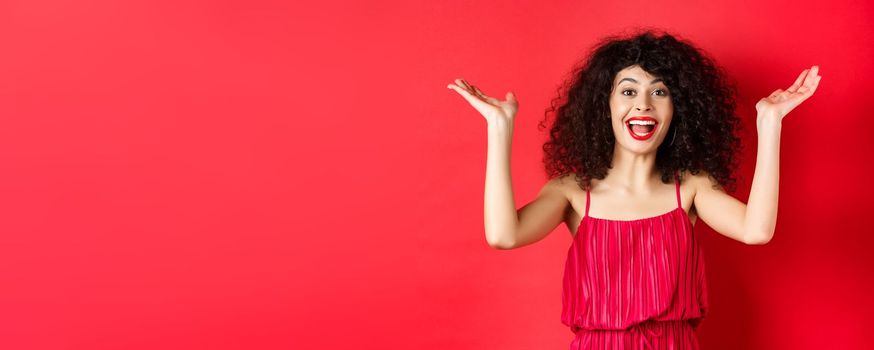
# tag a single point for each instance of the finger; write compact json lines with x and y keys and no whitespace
{"x":486,"y":97}
{"x":478,"y":91}
{"x":474,"y":91}
{"x":810,"y":82}
{"x":459,"y":88}
{"x":466,"y":85}
{"x":798,"y":81}
{"x":776,"y":92}
{"x":808,"y":90}
{"x":464,"y":92}
{"x":811,"y":77}
{"x":463,"y":84}
{"x":471,"y":98}
{"x":460,"y":84}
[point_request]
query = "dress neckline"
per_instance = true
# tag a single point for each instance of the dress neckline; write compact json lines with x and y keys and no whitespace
{"x":633,"y":220}
{"x":686,"y":220}
{"x":685,"y":216}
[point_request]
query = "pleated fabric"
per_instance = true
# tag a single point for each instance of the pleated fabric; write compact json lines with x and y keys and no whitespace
{"x":635,"y":284}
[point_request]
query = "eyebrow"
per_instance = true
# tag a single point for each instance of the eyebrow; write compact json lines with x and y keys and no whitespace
{"x":636,"y":82}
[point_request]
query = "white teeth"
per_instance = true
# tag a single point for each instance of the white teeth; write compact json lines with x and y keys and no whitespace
{"x":642,"y":122}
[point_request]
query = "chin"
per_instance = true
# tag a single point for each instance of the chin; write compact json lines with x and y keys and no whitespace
{"x":641,"y":147}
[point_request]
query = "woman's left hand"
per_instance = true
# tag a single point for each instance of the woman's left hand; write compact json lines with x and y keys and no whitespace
{"x":781,"y":102}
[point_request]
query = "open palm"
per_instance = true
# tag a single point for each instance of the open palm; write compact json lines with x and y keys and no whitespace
{"x":486,"y":105}
{"x":781,"y":102}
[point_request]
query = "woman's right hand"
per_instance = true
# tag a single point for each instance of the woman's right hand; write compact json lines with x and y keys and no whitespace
{"x":491,"y":108}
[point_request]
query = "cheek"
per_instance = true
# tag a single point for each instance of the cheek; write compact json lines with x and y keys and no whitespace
{"x":669,"y":106}
{"x":668,"y":111}
{"x":619,"y":107}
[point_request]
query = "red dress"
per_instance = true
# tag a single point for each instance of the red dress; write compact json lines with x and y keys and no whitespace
{"x":634,"y":284}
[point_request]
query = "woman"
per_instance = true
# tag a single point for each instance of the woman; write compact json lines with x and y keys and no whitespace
{"x":643,"y":144}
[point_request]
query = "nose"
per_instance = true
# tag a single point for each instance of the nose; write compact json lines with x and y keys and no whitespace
{"x":643,"y":104}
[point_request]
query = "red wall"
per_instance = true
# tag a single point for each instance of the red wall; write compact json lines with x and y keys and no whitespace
{"x":273,"y":175}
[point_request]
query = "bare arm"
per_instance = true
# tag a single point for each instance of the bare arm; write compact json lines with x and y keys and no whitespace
{"x":751,"y":223}
{"x":761,"y":214}
{"x":542,"y":215}
{"x":754,"y":223}
{"x":722,"y":212}
{"x":505,"y":226}
{"x":500,"y":206}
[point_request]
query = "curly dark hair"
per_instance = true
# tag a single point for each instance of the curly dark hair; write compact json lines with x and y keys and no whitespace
{"x":581,"y":139}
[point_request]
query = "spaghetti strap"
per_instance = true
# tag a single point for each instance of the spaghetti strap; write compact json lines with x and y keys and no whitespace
{"x":677,"y":181}
{"x":587,"y":202}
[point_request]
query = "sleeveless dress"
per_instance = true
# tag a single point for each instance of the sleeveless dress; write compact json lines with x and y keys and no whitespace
{"x":634,"y":284}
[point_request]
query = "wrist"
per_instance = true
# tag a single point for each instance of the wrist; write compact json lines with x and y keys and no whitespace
{"x":769,"y":121}
{"x":500,"y":124}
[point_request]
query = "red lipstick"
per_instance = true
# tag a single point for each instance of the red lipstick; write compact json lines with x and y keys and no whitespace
{"x":641,"y":137}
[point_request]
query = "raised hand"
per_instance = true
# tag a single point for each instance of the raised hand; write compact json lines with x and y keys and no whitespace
{"x":491,"y":108}
{"x":781,"y":102}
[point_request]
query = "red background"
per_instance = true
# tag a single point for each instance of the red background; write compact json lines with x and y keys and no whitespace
{"x":267,"y":175}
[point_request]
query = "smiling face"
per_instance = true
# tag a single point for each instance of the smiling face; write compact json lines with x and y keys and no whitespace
{"x":640,"y":98}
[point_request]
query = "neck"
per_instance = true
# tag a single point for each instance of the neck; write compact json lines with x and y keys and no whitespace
{"x":633,"y":173}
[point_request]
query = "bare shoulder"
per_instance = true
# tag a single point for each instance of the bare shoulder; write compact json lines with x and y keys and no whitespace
{"x":569,"y":187}
{"x":564,"y":183}
{"x":694,"y":183}
{"x":701,"y":180}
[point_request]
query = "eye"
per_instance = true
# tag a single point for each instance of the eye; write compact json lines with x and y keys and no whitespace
{"x":663,"y":92}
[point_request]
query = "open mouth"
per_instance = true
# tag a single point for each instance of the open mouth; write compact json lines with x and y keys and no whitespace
{"x":641,"y":128}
